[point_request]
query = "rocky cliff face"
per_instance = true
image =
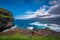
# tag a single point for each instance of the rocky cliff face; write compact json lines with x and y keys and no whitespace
{"x":6,"y":19}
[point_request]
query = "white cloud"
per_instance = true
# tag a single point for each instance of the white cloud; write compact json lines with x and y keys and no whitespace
{"x":52,"y":12}
{"x":51,"y":16}
{"x":42,"y":13}
{"x":23,"y":16}
{"x":53,"y":2}
{"x":29,"y":12}
{"x":54,"y":9}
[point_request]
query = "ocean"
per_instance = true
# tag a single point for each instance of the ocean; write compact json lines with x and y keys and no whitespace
{"x":25,"y":24}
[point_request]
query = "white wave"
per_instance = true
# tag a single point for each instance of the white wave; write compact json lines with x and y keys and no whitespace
{"x":14,"y":27}
{"x":10,"y":28}
{"x":38,"y":24}
{"x":54,"y":27}
{"x":6,"y":30}
{"x":30,"y":28}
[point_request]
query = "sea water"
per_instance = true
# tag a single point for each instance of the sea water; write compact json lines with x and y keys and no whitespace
{"x":29,"y":23}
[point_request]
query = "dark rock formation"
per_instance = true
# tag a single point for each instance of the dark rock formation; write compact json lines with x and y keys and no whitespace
{"x":6,"y":19}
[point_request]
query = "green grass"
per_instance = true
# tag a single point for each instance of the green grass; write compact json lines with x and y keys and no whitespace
{"x":24,"y":37}
{"x":5,"y":16}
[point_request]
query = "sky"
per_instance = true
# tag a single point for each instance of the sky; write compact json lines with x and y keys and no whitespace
{"x":44,"y":10}
{"x":19,"y":7}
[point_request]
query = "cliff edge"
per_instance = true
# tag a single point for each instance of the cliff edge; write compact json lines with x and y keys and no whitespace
{"x":6,"y":19}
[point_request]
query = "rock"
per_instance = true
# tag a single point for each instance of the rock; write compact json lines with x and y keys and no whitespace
{"x":42,"y":32}
{"x":46,"y":32}
{"x":26,"y":32}
{"x":6,"y":19}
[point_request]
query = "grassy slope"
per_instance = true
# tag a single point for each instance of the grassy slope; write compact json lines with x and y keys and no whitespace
{"x":29,"y":38}
{"x":19,"y":36}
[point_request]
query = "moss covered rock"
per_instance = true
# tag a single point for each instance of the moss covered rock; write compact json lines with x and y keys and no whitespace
{"x":6,"y":19}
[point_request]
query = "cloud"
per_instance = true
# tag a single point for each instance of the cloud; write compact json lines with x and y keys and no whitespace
{"x":51,"y":16}
{"x":24,"y":16}
{"x":53,"y":2}
{"x":53,"y":11}
{"x":28,"y":12}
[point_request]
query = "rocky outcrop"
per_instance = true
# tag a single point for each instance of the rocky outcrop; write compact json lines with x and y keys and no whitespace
{"x":6,"y":19}
{"x":42,"y":32}
{"x":46,"y":32}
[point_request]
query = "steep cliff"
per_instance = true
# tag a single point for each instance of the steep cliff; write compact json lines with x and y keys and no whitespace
{"x":6,"y":19}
